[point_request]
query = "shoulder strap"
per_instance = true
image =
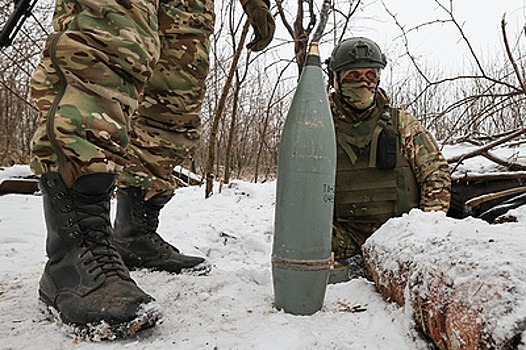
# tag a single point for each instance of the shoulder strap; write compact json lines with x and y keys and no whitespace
{"x":388,"y":117}
{"x":343,"y":140}
{"x":385,"y":120}
{"x":395,"y":117}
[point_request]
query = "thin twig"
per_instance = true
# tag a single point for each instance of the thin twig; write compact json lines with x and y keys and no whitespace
{"x":18,"y":95}
{"x":480,"y":150}
{"x":510,"y":54}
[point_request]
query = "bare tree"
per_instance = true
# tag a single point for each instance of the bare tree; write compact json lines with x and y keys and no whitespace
{"x":209,"y":169}
{"x":17,"y":112}
{"x":296,"y":27}
{"x":481,"y":99}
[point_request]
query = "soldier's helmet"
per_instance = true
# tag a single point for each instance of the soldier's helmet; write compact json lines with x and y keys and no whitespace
{"x":356,"y":53}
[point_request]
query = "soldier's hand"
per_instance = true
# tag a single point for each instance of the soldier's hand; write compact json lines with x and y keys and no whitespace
{"x":262,"y":22}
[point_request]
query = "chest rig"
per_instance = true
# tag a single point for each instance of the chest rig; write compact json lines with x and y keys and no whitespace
{"x":374,"y":181}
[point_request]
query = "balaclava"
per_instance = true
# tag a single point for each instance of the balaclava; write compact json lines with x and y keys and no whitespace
{"x":358,"y":87}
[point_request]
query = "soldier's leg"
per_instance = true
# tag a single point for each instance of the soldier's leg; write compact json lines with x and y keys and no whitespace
{"x":343,"y":244}
{"x":93,"y":66}
{"x":346,"y":247}
{"x":167,"y":125}
{"x":86,"y":86}
{"x":164,"y":130}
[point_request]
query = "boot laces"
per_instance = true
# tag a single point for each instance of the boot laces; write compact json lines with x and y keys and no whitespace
{"x":94,"y":223}
{"x":149,"y":223}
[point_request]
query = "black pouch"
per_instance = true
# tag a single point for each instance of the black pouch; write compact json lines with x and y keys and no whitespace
{"x":386,"y":150}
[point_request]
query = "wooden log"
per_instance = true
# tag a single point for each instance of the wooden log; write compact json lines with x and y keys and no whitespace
{"x":463,"y":281}
{"x":473,"y":202}
{"x":465,"y":188}
{"x":18,"y":186}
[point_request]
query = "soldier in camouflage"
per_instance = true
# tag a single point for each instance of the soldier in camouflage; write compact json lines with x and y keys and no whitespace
{"x":119,"y":89}
{"x":387,"y":162}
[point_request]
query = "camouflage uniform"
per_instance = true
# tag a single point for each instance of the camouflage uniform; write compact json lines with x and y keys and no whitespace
{"x":418,"y":147}
{"x":119,"y":89}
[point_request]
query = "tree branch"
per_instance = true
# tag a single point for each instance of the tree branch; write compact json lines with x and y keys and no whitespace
{"x":510,"y":55}
{"x":489,"y":146}
{"x":281,"y":13}
{"x":324,"y":16}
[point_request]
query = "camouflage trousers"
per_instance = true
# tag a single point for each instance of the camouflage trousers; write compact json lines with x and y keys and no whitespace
{"x":119,"y":89}
{"x":347,"y":239}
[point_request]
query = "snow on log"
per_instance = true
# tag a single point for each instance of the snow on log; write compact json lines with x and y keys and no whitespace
{"x":463,"y":281}
{"x":17,"y":179}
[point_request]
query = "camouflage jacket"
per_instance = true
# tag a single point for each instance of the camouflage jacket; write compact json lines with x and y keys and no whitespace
{"x":417,"y":145}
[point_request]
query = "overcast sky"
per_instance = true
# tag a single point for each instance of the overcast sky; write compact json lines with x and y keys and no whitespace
{"x":480,"y":19}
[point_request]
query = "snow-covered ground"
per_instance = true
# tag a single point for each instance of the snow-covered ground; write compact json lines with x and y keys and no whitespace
{"x":232,"y":308}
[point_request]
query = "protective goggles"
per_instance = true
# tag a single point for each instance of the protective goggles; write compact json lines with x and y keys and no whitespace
{"x":358,"y":74}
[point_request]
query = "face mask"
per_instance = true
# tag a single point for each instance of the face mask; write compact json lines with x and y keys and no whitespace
{"x":358,"y":87}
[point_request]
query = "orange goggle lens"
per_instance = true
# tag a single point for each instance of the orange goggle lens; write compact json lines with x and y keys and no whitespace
{"x":355,"y":74}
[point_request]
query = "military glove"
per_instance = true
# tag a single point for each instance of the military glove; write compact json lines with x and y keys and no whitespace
{"x":262,"y":22}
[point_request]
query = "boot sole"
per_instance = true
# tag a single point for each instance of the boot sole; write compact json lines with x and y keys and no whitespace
{"x":147,"y":317}
{"x":202,"y":269}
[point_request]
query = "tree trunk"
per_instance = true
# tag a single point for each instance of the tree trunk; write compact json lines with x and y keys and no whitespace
{"x":231,"y":133}
{"x":209,"y":170}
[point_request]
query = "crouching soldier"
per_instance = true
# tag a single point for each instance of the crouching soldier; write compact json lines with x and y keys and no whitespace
{"x":387,"y":162}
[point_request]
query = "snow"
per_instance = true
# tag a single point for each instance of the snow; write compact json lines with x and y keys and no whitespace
{"x":232,"y":308}
{"x":180,"y":170}
{"x":15,"y":172}
{"x":482,"y":263}
{"x":480,"y":165}
{"x":229,"y":309}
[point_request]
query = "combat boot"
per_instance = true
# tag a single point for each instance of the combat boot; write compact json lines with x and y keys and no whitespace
{"x":85,"y":282}
{"x":135,"y":236}
{"x":346,"y":269}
